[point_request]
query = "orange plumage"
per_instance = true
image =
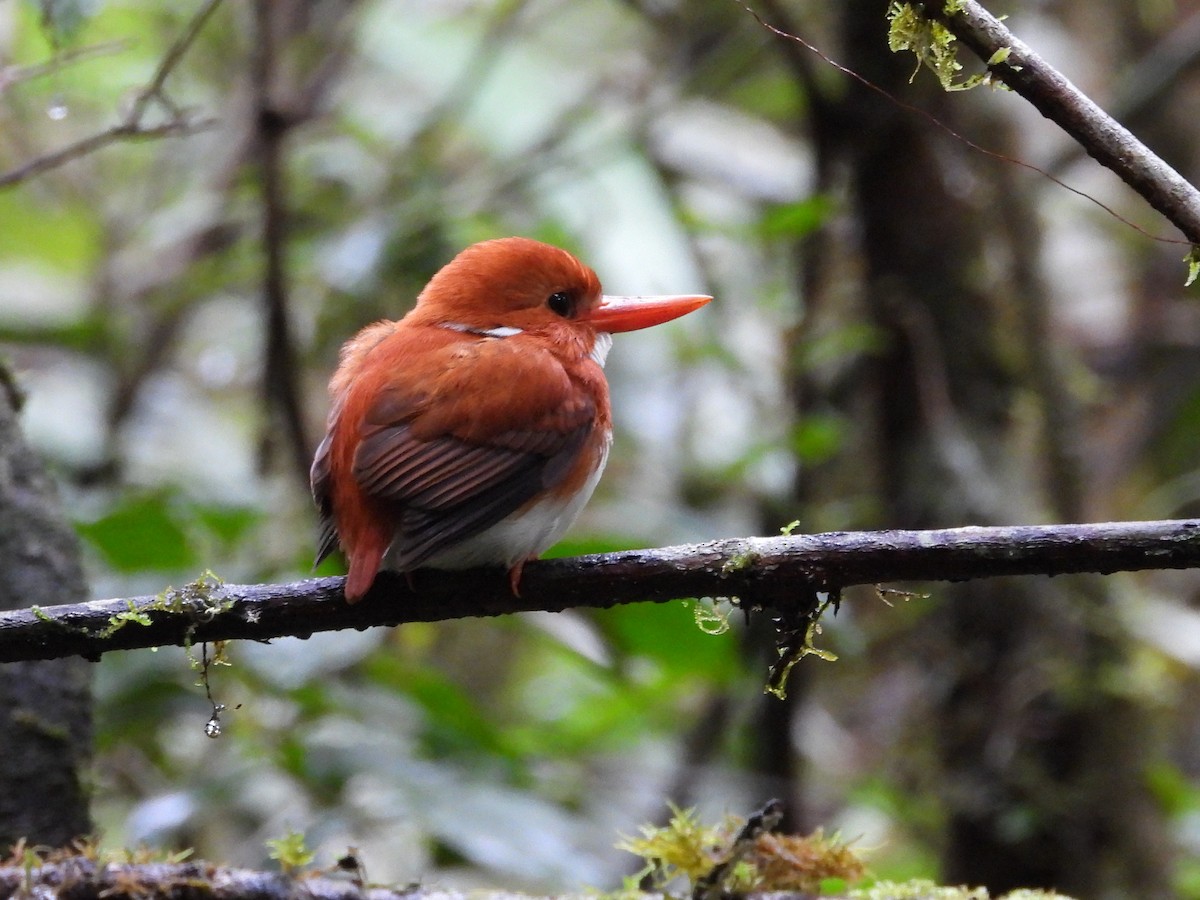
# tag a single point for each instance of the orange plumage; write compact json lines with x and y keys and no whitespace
{"x":473,"y":431}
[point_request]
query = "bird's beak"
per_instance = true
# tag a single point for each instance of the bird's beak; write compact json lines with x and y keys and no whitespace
{"x":631,"y":313}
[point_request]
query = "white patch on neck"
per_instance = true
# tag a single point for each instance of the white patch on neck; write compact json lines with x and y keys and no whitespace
{"x":502,"y":331}
{"x":601,"y":347}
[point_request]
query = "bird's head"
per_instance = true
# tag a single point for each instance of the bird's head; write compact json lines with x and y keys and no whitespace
{"x":515,"y":284}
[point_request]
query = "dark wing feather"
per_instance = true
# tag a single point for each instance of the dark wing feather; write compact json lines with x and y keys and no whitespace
{"x":449,"y":489}
{"x":319,"y":479}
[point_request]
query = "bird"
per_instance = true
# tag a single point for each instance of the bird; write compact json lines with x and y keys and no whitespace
{"x":472,"y":431}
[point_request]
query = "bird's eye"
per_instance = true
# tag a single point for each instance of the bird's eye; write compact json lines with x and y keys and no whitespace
{"x":560,"y":304}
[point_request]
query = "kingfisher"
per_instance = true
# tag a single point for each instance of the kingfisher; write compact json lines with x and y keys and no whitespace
{"x":472,"y":431}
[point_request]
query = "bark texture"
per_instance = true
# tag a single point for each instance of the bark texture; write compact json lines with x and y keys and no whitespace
{"x":782,"y":574}
{"x":46,"y":739}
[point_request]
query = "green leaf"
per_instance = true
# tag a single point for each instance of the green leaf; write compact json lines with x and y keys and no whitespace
{"x":795,"y":220}
{"x":64,"y":235}
{"x":141,"y":534}
{"x":228,"y":524}
{"x":816,"y":438}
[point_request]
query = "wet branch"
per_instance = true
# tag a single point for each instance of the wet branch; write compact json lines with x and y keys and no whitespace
{"x":780,"y":573}
{"x":82,"y":878}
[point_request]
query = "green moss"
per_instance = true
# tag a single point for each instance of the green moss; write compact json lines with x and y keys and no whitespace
{"x":711,"y":618}
{"x":131,"y":615}
{"x":291,"y":851}
{"x":201,"y":597}
{"x":203,"y":600}
{"x":1193,"y":263}
{"x":921,"y":889}
{"x":795,"y":641}
{"x":740,"y":561}
{"x":686,"y":847}
{"x":930,"y":41}
{"x":934,"y":45}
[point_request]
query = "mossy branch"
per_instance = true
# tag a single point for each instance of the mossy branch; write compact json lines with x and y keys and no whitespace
{"x":780,"y":573}
{"x":83,"y":878}
{"x":1012,"y":62}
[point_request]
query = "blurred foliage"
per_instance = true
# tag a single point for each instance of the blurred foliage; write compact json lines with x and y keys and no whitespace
{"x":664,"y":142}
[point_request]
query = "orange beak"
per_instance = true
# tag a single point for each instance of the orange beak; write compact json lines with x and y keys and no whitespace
{"x":631,"y":313}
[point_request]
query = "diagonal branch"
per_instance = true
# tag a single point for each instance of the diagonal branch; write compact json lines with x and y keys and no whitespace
{"x":125,"y":131}
{"x":132,"y":126}
{"x":780,"y":573}
{"x":154,"y":90}
{"x":1013,"y":62}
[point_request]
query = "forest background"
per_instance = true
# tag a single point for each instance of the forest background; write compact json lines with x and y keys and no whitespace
{"x":907,"y":333}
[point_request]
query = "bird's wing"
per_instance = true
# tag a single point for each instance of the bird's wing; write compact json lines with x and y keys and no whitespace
{"x":320,"y":478}
{"x":492,"y":425}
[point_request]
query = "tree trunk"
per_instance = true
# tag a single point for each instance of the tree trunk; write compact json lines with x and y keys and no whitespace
{"x":46,"y":742}
{"x":1041,"y":764}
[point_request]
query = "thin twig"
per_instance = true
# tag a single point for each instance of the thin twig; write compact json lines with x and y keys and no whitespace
{"x":1014,"y":63}
{"x":1147,"y":84}
{"x":958,"y":136}
{"x":779,"y":573}
{"x":713,"y":885}
{"x":123,"y":132}
{"x":154,"y":90}
{"x":131,"y":127}
{"x":10,"y":75}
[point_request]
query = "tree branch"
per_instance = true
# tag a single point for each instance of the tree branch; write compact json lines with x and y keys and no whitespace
{"x":10,"y":75}
{"x":780,"y":573}
{"x":1056,"y":98}
{"x":132,"y":126}
{"x":82,"y":878}
{"x":93,"y":142}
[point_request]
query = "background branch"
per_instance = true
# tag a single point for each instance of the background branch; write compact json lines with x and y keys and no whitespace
{"x":132,"y":126}
{"x":1056,"y":98}
{"x":775,"y":573}
{"x":125,"y":131}
{"x":281,"y":391}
